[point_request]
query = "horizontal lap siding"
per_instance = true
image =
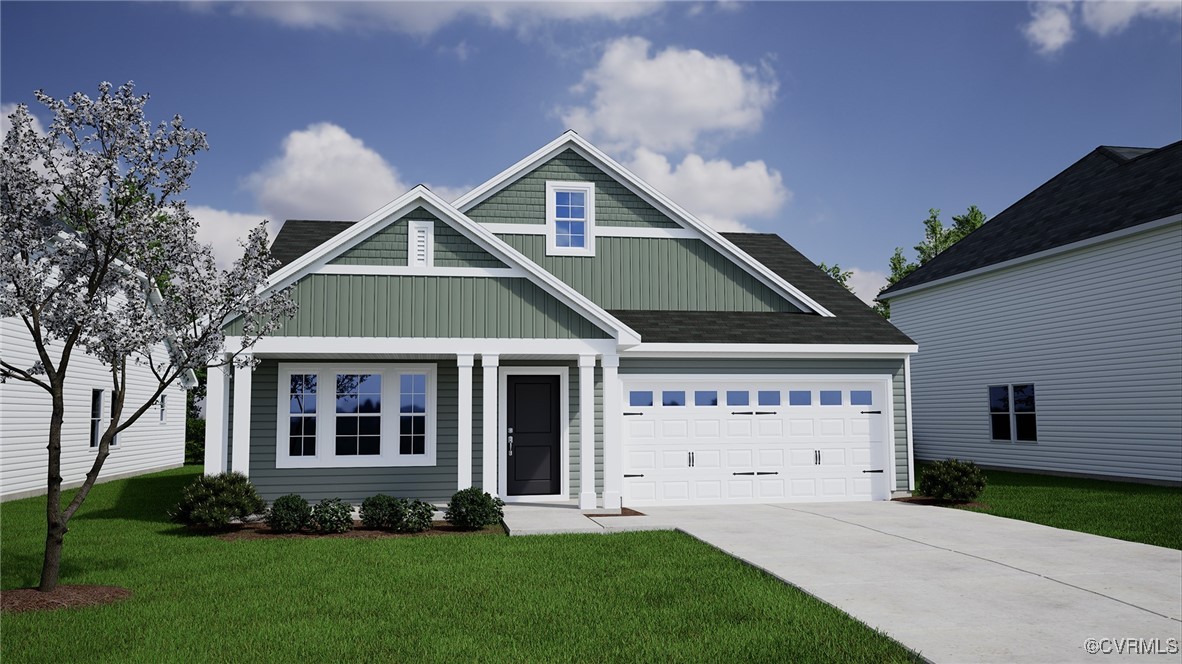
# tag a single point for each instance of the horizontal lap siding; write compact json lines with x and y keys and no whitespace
{"x":403,"y":306}
{"x":389,"y":246}
{"x":1099,"y":333}
{"x":435,"y":484}
{"x":524,"y":201}
{"x":893,"y":368}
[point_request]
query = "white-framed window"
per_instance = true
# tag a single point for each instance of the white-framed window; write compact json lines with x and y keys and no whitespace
{"x":96,"y":417}
{"x":343,"y":416}
{"x":1011,"y":413}
{"x":420,"y":251}
{"x":570,"y":218}
{"x":162,"y":405}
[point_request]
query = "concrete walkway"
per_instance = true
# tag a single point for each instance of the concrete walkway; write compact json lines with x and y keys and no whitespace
{"x":954,"y":586}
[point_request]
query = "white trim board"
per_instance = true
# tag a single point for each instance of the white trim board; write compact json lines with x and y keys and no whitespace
{"x":897,"y":351}
{"x":571,"y":140}
{"x":600,"y":231}
{"x":1028,"y":258}
{"x":563,"y":374}
{"x":409,"y":271}
{"x":329,"y":347}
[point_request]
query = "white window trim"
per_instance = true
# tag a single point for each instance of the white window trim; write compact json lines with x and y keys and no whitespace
{"x":552,"y":248}
{"x":413,"y":229}
{"x":326,"y":456}
{"x":1013,"y":414}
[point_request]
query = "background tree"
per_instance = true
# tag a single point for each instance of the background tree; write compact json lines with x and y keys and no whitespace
{"x":840,"y":276}
{"x":98,"y":255}
{"x":195,"y":420}
{"x":936,"y":239}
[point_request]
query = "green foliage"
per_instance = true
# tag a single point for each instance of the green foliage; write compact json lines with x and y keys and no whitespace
{"x":384,"y":512}
{"x":936,"y":239}
{"x":213,"y":500}
{"x":839,"y":275}
{"x":952,"y":479}
{"x":289,"y":514}
{"x":194,"y":441}
{"x":419,"y":515}
{"x":473,"y":508}
{"x":332,"y":515}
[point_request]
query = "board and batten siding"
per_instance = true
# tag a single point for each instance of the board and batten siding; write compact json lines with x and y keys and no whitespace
{"x":389,"y":246}
{"x":524,"y":200}
{"x":344,"y":305}
{"x":146,"y":446}
{"x":1097,"y":330}
{"x":655,"y":273}
{"x":836,"y":368}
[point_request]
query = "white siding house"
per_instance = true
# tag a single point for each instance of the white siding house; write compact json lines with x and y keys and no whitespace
{"x":155,"y":442}
{"x":1050,"y":340}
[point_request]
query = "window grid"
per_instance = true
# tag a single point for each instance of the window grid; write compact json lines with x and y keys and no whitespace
{"x":412,"y":418}
{"x":302,"y":409}
{"x":358,"y":414}
{"x":96,"y":416}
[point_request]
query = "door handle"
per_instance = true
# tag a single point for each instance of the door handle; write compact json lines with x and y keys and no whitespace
{"x":510,"y":444}
{"x":817,"y":457}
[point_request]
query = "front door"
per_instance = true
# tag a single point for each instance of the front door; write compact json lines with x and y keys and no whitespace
{"x":532,"y":437}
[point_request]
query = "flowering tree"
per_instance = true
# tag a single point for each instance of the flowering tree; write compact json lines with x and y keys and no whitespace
{"x":98,"y":255}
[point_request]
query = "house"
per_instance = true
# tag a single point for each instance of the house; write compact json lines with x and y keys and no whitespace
{"x":1051,"y":337}
{"x":155,"y":442}
{"x":562,"y":332}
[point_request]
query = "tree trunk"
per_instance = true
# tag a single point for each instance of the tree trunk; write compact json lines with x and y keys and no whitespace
{"x":55,"y":523}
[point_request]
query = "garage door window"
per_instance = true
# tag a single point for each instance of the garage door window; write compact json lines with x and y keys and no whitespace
{"x":830,"y":397}
{"x":800,"y":398}
{"x":769,"y":397}
{"x":706,"y":398}
{"x":640,"y":398}
{"x":736,"y":398}
{"x":673,"y":398}
{"x":861,"y":398}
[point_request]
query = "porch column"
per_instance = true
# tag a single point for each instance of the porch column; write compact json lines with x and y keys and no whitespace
{"x":242,"y":382}
{"x":613,"y":467}
{"x":217,"y":418}
{"x":490,"y":438}
{"x":464,"y":425}
{"x":586,"y":432}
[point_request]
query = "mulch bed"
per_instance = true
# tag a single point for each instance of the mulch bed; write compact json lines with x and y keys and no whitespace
{"x":19,"y":600}
{"x":624,"y":511}
{"x":924,"y":500}
{"x":260,"y":530}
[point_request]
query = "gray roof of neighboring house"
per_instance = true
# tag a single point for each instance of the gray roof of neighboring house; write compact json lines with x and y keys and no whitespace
{"x":1110,"y":189}
{"x":853,"y":321}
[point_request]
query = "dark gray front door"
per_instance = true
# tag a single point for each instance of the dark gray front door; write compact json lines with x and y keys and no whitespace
{"x":532,"y":439}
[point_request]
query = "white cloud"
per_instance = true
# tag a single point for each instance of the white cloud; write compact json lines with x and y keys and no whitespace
{"x":426,"y":18}
{"x":222,"y":229}
{"x":1049,"y":28}
{"x":1106,"y":18}
{"x":1052,"y":24}
{"x":325,"y":173}
{"x":716,"y":191}
{"x":867,"y":283}
{"x":670,"y":100}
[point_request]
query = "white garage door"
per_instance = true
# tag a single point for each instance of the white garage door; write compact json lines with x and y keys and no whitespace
{"x":754,"y":439}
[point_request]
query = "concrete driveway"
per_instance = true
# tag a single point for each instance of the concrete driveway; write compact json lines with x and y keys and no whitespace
{"x":956,"y":586}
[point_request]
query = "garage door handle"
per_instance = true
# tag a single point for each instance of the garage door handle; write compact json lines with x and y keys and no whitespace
{"x":741,"y":412}
{"x":768,"y":472}
{"x":872,"y":412}
{"x":872,"y":471}
{"x":633,"y":475}
{"x":747,"y":473}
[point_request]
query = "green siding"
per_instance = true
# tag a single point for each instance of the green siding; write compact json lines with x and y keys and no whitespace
{"x":388,"y":246}
{"x":655,"y":273}
{"x":524,"y":201}
{"x":342,"y":305}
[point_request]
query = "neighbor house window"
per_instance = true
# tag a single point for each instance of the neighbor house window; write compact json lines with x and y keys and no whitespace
{"x":115,"y":438}
{"x":301,"y":398}
{"x":96,"y":417}
{"x":570,"y":218}
{"x":162,"y":404}
{"x":1012,"y":413}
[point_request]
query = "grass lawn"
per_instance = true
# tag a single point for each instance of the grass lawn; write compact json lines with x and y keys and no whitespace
{"x":636,"y":596}
{"x":1123,"y":510}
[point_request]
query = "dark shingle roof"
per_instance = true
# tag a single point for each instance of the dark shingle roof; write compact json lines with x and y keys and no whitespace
{"x":299,"y":236}
{"x":852,"y":323}
{"x":1110,"y":189}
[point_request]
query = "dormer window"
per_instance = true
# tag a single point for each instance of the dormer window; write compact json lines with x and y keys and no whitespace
{"x":570,"y":218}
{"x":421,"y":244}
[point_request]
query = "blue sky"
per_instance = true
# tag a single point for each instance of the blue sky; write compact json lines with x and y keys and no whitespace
{"x":836,"y":125}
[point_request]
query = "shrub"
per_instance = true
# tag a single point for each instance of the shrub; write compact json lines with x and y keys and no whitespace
{"x":419,"y":515}
{"x":472,"y":508}
{"x":383,"y":512}
{"x":289,"y":514}
{"x":212,"y":500}
{"x":952,"y":479}
{"x":332,"y":515}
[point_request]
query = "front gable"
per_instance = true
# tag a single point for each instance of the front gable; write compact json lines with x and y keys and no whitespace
{"x":390,"y":246}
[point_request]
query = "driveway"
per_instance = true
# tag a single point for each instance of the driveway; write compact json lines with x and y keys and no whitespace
{"x":956,"y":586}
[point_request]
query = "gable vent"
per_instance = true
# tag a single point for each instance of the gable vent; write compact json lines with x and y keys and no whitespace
{"x":421,"y":252}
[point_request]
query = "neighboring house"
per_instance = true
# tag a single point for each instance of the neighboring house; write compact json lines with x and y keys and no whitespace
{"x":562,"y":332}
{"x":155,"y":442}
{"x":1051,"y":338}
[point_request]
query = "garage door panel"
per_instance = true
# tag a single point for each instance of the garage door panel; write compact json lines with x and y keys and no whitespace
{"x":642,"y":459}
{"x":860,"y":427}
{"x":770,"y":428}
{"x":804,"y":487}
{"x":708,"y":459}
{"x":832,"y":426}
{"x":800,"y":426}
{"x":708,"y":490}
{"x":833,"y":486}
{"x":771,"y":488}
{"x":675,"y":490}
{"x":740,"y":458}
{"x":802,"y":457}
{"x":736,"y":428}
{"x":740,"y":489}
{"x":771,"y":459}
{"x":706,"y":428}
{"x":639,"y":429}
{"x":675,"y":459}
{"x":675,"y":429}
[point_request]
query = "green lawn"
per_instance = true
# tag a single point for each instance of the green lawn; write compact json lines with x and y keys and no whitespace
{"x":641,"y":596}
{"x":1123,"y":510}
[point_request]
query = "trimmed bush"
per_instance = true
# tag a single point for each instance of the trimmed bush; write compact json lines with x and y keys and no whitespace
{"x":383,"y":512}
{"x":419,"y":515}
{"x":289,"y":514}
{"x":952,"y":479}
{"x":211,"y":501}
{"x":332,"y":515}
{"x":472,"y":508}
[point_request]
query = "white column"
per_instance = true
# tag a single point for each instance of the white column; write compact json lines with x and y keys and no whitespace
{"x":217,"y":416}
{"x":613,"y":466}
{"x":586,"y":432}
{"x":242,"y":381}
{"x":464,"y":423}
{"x":491,"y":441}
